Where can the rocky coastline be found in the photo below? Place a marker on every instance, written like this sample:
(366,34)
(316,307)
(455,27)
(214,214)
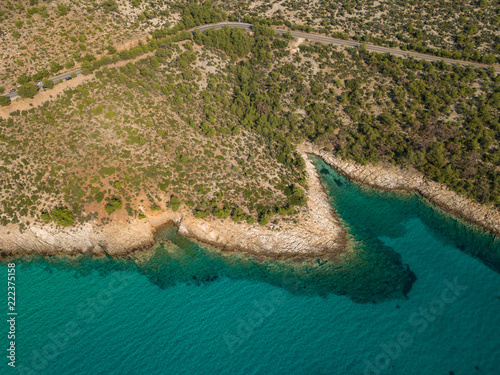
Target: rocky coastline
(315,233)
(390,177)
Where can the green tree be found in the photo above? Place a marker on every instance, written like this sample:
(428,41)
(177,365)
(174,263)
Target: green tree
(24,79)
(4,101)
(48,83)
(111,49)
(264,219)
(113,205)
(99,197)
(174,203)
(109,5)
(40,75)
(62,10)
(27,91)
(69,64)
(62,216)
(55,67)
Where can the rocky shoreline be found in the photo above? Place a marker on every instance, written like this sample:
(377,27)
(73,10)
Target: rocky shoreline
(390,177)
(316,232)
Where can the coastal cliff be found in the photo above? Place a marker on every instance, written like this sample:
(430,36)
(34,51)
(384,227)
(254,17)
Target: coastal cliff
(390,177)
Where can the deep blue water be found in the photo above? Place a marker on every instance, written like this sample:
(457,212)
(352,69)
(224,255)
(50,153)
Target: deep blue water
(188,310)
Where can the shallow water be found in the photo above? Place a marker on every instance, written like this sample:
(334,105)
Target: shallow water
(188,310)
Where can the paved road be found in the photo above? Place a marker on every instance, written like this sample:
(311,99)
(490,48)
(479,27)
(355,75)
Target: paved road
(317,38)
(352,43)
(56,79)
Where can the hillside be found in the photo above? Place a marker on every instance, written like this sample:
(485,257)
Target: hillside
(45,37)
(463,29)
(210,122)
(138,137)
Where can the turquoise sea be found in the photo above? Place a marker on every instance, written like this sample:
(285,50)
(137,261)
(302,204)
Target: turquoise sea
(422,297)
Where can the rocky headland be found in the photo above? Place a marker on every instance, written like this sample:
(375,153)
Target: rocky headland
(315,232)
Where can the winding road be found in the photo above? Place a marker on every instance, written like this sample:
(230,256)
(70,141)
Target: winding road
(352,43)
(316,38)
